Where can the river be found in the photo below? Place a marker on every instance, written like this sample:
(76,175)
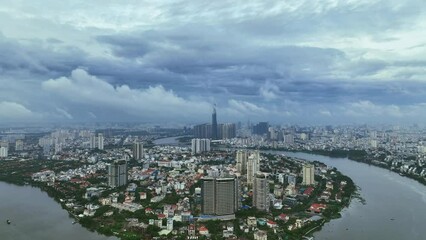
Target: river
(168,141)
(36,216)
(394,208)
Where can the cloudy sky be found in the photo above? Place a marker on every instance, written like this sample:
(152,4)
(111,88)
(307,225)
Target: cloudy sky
(293,61)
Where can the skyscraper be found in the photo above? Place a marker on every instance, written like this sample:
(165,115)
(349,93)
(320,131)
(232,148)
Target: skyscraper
(203,131)
(117,174)
(92,141)
(253,166)
(241,160)
(19,145)
(214,124)
(137,150)
(200,145)
(208,195)
(4,152)
(100,141)
(260,128)
(219,196)
(226,131)
(261,192)
(308,172)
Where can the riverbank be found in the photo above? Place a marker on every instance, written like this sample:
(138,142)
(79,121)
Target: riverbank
(390,206)
(361,156)
(37,216)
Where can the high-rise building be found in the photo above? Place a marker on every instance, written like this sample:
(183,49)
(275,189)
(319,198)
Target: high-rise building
(272,133)
(288,139)
(308,172)
(253,166)
(92,141)
(4,151)
(200,145)
(261,128)
(4,144)
(241,159)
(138,150)
(214,124)
(19,145)
(261,192)
(203,131)
(219,196)
(100,141)
(117,174)
(227,131)
(208,196)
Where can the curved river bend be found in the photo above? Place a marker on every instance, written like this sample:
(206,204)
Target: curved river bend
(395,206)
(36,216)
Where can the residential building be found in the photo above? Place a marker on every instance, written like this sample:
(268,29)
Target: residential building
(92,141)
(138,152)
(308,172)
(200,145)
(241,159)
(4,152)
(219,196)
(253,166)
(19,145)
(117,174)
(100,141)
(261,192)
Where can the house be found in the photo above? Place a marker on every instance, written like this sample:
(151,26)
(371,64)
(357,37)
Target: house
(261,221)
(148,211)
(260,235)
(271,224)
(251,222)
(308,191)
(92,192)
(191,230)
(202,230)
(317,207)
(282,217)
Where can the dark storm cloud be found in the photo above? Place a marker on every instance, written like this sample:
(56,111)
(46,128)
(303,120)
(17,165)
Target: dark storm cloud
(293,60)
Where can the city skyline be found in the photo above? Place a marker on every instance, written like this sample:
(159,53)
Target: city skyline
(321,62)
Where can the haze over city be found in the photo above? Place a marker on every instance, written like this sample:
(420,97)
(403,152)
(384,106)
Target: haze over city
(298,61)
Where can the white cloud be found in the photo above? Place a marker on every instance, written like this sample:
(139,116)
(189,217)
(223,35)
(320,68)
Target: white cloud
(64,113)
(365,108)
(269,91)
(154,102)
(12,111)
(325,113)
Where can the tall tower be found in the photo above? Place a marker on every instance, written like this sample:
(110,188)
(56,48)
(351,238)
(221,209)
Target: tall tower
(214,124)
(308,172)
(241,158)
(138,150)
(92,141)
(253,166)
(261,192)
(100,141)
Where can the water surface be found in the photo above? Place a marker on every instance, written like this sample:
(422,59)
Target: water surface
(395,206)
(36,216)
